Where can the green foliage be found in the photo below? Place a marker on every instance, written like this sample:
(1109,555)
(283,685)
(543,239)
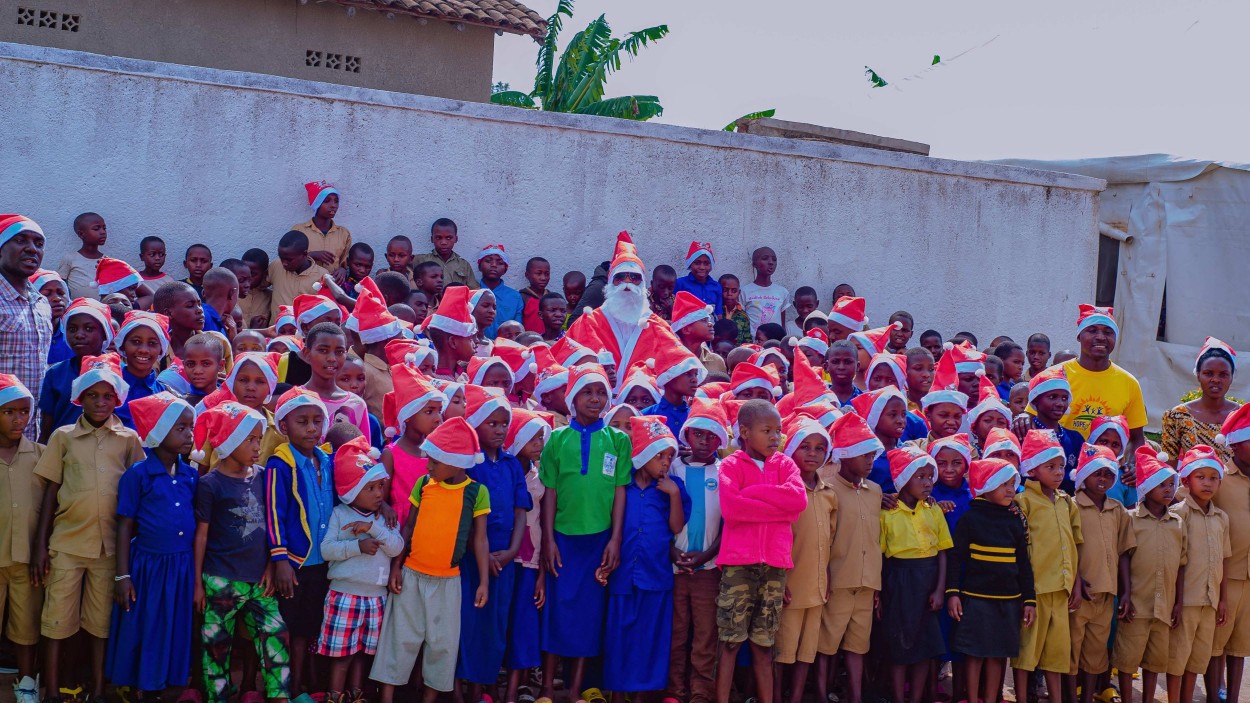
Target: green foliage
(1197,393)
(574,81)
(936,60)
(876,80)
(751,116)
(500,87)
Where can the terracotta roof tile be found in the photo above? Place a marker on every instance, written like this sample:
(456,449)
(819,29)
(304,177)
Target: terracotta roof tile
(507,15)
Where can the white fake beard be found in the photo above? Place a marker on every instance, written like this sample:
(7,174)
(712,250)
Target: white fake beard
(626,302)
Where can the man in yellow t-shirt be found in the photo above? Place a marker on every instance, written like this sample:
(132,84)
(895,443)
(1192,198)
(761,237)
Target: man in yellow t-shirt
(1099,387)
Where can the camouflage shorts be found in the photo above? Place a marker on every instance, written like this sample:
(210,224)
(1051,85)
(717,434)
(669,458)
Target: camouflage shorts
(749,603)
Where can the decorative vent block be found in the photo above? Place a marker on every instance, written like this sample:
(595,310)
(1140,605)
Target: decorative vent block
(332,61)
(47,19)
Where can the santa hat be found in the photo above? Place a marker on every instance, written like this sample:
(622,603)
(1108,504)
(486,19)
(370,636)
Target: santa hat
(1001,440)
(823,413)
(356,465)
(112,275)
(478,366)
(480,402)
(965,358)
(688,310)
(696,250)
(1211,344)
(814,339)
(990,402)
(310,306)
(525,425)
(106,368)
(625,258)
(731,407)
(449,389)
(43,277)
(519,358)
(897,363)
(849,312)
(1090,459)
(318,191)
(159,324)
(808,388)
(300,397)
(293,343)
(1039,447)
(1110,423)
(672,360)
(1151,469)
(156,414)
(411,352)
(496,249)
(11,389)
(454,314)
(224,428)
(629,410)
(551,375)
(454,443)
(956,442)
(605,358)
(905,461)
(1199,456)
(286,316)
(11,225)
(370,319)
(712,390)
(987,474)
(870,405)
(639,376)
(649,436)
(747,376)
(267,362)
(945,386)
(1051,378)
(583,375)
(853,437)
(761,357)
(1090,315)
(1236,427)
(875,340)
(707,415)
(569,352)
(799,428)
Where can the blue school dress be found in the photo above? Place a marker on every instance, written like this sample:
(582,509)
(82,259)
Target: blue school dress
(640,593)
(484,631)
(139,388)
(149,647)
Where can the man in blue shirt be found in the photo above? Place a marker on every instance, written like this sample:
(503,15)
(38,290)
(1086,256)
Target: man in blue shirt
(699,281)
(492,263)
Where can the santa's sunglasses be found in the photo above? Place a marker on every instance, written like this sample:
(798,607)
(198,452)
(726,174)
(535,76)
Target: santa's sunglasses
(634,278)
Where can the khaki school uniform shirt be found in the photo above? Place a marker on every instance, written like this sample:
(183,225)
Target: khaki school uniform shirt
(711,360)
(257,304)
(808,581)
(457,269)
(856,558)
(378,383)
(287,285)
(338,240)
(21,494)
(1234,499)
(1207,546)
(1054,532)
(1106,534)
(87,462)
(1157,558)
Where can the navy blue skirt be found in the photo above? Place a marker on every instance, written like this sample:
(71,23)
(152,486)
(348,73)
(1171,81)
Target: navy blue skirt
(909,632)
(149,648)
(576,603)
(524,633)
(484,631)
(635,657)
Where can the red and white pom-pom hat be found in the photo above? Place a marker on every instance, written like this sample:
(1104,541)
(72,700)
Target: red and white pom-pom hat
(905,461)
(356,466)
(95,310)
(11,389)
(1003,440)
(945,386)
(808,387)
(746,376)
(1211,344)
(1151,469)
(761,357)
(1199,456)
(625,258)
(478,366)
(412,352)
(454,314)
(43,277)
(1090,315)
(990,401)
(158,323)
(672,360)
(1236,427)
(1039,447)
(584,375)
(649,436)
(1091,458)
(698,249)
(551,375)
(112,275)
(300,397)
(286,316)
(1051,378)
(814,339)
(569,352)
(318,191)
(709,415)
(875,340)
(224,427)
(824,413)
(639,376)
(370,319)
(12,225)
(987,474)
(496,249)
(852,437)
(956,442)
(310,306)
(1110,423)
(454,443)
(799,428)
(688,310)
(870,405)
(965,357)
(897,363)
(480,402)
(156,414)
(850,312)
(413,391)
(267,362)
(518,357)
(106,368)
(525,425)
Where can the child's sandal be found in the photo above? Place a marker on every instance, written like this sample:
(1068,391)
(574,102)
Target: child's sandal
(594,695)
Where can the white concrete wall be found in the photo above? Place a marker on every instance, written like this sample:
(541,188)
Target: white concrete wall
(195,154)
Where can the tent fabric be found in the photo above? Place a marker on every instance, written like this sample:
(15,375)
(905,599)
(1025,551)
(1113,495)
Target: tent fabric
(1187,220)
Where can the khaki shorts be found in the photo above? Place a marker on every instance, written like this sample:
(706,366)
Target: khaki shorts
(23,600)
(423,619)
(1233,638)
(78,596)
(1091,632)
(1047,645)
(799,635)
(846,623)
(748,605)
(1190,643)
(1142,644)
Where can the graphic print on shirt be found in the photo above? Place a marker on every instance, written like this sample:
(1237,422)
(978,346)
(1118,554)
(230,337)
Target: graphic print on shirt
(251,515)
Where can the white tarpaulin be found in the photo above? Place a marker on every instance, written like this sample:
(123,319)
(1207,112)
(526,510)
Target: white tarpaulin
(1188,227)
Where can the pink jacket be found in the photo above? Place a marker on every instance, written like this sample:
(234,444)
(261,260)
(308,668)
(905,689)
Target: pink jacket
(759,508)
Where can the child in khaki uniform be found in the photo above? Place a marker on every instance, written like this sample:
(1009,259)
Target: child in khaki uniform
(75,541)
(18,457)
(1103,562)
(1208,546)
(1232,641)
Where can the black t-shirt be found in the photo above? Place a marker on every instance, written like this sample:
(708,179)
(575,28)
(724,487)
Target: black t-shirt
(238,541)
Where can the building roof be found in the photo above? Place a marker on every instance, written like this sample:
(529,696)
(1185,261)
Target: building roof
(506,15)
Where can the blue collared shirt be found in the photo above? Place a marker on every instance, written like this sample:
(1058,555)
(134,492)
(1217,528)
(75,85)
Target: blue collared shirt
(55,390)
(162,505)
(139,388)
(961,497)
(646,538)
(509,305)
(914,428)
(709,291)
(505,480)
(674,415)
(59,351)
(880,473)
(321,502)
(212,319)
(855,393)
(584,433)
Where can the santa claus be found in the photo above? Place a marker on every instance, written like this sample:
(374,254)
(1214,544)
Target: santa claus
(624,326)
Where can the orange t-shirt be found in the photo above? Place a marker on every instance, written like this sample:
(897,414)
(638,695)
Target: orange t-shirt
(445,513)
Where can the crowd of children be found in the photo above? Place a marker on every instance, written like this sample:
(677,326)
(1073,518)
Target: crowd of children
(414,481)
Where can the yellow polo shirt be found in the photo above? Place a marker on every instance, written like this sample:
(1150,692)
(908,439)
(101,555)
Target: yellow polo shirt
(1054,532)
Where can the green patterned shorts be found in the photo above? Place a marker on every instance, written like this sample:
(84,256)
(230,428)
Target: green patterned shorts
(749,603)
(231,603)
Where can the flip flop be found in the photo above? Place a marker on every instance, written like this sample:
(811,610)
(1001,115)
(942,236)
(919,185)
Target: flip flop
(594,695)
(1109,694)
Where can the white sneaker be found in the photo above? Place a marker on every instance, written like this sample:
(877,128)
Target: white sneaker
(27,690)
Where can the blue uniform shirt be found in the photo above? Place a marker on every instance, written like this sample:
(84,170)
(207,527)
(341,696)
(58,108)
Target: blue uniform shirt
(509,305)
(645,539)
(914,428)
(139,388)
(321,503)
(880,473)
(59,351)
(54,393)
(855,393)
(961,497)
(505,480)
(709,291)
(162,506)
(674,415)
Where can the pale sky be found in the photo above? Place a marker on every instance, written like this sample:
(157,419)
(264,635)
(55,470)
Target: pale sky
(1060,79)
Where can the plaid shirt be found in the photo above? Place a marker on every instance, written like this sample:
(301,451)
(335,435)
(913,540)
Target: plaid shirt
(25,337)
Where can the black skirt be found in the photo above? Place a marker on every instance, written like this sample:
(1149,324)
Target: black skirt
(990,628)
(909,632)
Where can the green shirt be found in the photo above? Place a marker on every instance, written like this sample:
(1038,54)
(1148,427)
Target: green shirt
(584,494)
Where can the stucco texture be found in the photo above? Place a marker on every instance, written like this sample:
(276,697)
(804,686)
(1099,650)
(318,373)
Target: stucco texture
(196,154)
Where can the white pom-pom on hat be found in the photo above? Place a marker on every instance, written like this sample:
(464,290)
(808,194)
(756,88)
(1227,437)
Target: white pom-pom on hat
(1164,458)
(410,358)
(586,310)
(1221,439)
(651,363)
(533,367)
(792,340)
(948,346)
(980,372)
(390,432)
(374,453)
(898,324)
(198,456)
(317,285)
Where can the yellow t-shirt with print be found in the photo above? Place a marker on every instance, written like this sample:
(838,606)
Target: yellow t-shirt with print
(1111,392)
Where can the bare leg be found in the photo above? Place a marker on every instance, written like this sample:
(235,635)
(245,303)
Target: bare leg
(826,668)
(1053,684)
(762,667)
(855,676)
(97,664)
(579,674)
(514,682)
(1235,668)
(798,682)
(1174,688)
(1088,683)
(994,669)
(1148,681)
(779,672)
(1126,687)
(299,654)
(338,673)
(429,695)
(52,666)
(898,673)
(1188,681)
(919,672)
(386,693)
(1022,684)
(972,676)
(725,670)
(550,662)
